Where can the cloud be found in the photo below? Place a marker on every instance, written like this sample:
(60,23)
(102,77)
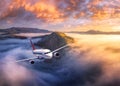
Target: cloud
(62,8)
(58,10)
(86,63)
(90,54)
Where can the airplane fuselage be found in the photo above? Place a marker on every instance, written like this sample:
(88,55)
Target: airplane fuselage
(43,53)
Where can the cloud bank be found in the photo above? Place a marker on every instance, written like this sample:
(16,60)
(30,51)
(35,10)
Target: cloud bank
(86,63)
(27,12)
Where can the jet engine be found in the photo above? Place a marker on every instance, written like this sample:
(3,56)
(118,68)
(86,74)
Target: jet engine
(32,62)
(56,54)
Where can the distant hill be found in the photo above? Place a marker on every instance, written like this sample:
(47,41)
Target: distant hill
(16,30)
(95,32)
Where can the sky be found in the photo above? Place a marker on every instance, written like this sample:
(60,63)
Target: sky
(68,15)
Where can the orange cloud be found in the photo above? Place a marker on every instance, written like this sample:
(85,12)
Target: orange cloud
(103,9)
(59,10)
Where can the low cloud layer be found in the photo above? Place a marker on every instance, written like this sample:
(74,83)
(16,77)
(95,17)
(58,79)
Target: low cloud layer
(86,63)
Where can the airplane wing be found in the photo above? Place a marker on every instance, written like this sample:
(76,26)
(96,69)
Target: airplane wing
(57,49)
(26,59)
(45,55)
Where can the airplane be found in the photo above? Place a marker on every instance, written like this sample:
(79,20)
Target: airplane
(42,54)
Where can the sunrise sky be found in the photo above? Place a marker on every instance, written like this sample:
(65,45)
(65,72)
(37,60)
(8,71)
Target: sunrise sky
(69,15)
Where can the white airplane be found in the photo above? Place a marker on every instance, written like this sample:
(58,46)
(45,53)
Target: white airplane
(42,54)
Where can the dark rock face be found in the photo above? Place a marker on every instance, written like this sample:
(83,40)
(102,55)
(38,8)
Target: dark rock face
(54,40)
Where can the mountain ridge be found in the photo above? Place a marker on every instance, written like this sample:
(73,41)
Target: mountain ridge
(16,30)
(95,32)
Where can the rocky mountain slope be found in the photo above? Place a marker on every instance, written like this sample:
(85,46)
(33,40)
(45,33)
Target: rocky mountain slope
(54,40)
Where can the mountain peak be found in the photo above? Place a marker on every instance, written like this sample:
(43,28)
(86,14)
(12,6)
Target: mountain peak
(58,33)
(55,40)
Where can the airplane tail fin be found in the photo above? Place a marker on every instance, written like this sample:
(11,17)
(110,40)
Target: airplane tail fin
(33,47)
